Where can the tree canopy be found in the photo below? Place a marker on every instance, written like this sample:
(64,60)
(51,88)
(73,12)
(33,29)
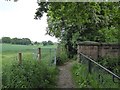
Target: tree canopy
(80,21)
(85,18)
(47,43)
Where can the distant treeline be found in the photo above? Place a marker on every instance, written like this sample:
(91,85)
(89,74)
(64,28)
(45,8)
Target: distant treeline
(23,41)
(47,43)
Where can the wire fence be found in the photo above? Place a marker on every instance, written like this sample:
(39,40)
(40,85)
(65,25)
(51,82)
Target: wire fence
(48,55)
(44,54)
(104,77)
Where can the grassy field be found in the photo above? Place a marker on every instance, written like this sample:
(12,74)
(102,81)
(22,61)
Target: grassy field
(12,47)
(9,61)
(10,51)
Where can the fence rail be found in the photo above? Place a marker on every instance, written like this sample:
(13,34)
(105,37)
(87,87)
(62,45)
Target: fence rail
(102,73)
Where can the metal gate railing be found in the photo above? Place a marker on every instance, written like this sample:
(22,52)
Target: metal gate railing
(104,77)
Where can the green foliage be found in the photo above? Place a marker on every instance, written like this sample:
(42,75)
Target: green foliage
(108,35)
(36,43)
(23,41)
(62,56)
(84,17)
(111,63)
(50,43)
(44,43)
(47,43)
(83,21)
(83,79)
(80,75)
(30,74)
(6,40)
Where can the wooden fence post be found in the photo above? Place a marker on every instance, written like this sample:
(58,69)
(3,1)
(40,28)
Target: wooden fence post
(20,57)
(39,54)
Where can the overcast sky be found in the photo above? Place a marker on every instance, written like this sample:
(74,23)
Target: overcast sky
(17,20)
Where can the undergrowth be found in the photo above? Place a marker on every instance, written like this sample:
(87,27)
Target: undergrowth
(30,74)
(83,79)
(62,56)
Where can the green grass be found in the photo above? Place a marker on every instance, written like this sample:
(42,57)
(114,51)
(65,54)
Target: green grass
(41,73)
(19,48)
(30,74)
(10,51)
(83,79)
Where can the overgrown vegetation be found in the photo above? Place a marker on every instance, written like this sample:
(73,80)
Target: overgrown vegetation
(111,63)
(62,56)
(30,74)
(83,79)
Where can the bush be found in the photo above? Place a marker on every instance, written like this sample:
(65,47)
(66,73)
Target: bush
(30,74)
(61,55)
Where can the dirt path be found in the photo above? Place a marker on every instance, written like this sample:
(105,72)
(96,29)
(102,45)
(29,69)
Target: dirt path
(65,77)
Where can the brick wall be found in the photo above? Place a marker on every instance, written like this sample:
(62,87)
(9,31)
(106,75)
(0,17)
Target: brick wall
(95,50)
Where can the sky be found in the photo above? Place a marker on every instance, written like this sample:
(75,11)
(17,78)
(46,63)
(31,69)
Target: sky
(17,20)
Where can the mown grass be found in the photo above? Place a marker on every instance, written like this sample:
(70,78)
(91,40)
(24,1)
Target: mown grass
(31,73)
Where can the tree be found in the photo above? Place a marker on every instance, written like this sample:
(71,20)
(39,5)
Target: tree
(6,40)
(23,41)
(36,42)
(15,41)
(87,17)
(44,43)
(26,41)
(72,22)
(50,43)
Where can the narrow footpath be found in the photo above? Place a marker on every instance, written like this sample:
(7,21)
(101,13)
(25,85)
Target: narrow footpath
(65,77)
